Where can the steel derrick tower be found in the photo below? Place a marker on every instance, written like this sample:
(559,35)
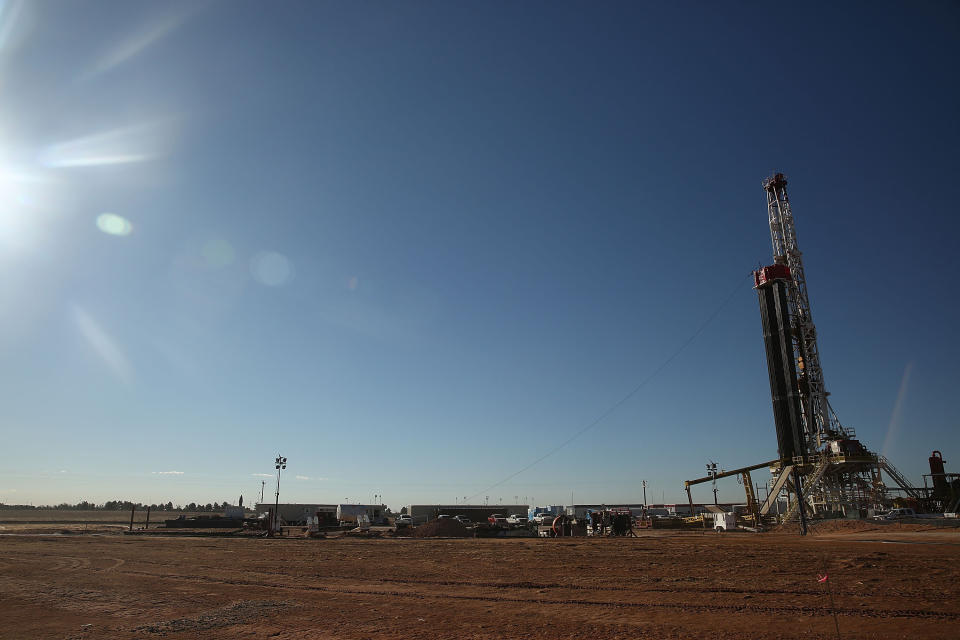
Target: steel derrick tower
(818,420)
(822,465)
(821,468)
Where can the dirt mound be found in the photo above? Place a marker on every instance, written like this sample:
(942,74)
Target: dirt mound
(441,528)
(840,525)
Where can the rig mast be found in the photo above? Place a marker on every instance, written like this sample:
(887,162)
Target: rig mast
(819,422)
(822,465)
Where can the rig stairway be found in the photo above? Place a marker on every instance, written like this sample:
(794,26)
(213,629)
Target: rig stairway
(898,477)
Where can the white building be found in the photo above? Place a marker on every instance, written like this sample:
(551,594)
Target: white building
(296,513)
(350,512)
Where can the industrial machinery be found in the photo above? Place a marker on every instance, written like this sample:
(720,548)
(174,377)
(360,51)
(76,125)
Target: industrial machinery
(944,496)
(753,507)
(821,467)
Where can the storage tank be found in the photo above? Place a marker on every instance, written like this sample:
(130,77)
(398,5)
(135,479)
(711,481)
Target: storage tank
(940,487)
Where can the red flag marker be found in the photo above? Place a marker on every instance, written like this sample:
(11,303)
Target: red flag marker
(822,578)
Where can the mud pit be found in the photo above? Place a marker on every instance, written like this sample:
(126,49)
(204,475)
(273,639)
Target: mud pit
(663,585)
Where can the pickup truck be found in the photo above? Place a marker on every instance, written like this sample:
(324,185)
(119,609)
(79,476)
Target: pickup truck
(896,514)
(517,520)
(497,520)
(404,521)
(544,519)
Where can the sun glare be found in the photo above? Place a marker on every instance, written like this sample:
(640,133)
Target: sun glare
(13,211)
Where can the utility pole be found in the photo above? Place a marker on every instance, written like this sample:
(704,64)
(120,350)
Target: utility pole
(263,484)
(644,493)
(281,463)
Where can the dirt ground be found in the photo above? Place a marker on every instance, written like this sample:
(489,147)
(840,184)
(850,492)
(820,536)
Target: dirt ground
(886,583)
(56,520)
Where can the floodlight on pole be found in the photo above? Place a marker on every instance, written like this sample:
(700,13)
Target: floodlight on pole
(280,464)
(712,472)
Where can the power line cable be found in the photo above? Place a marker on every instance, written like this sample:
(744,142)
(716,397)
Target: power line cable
(622,400)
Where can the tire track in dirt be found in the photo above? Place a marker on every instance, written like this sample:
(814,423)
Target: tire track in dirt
(642,587)
(637,589)
(117,562)
(69,563)
(695,607)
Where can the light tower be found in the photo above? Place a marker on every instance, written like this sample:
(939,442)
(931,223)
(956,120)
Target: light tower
(280,463)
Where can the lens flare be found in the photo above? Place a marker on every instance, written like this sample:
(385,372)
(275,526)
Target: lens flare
(114,225)
(119,146)
(103,345)
(271,268)
(218,253)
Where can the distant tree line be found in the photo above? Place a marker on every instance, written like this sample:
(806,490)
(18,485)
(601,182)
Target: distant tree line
(122,505)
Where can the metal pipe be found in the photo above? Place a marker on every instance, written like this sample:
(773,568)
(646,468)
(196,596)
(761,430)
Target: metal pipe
(727,474)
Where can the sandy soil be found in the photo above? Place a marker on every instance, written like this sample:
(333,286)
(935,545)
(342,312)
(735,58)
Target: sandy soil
(886,584)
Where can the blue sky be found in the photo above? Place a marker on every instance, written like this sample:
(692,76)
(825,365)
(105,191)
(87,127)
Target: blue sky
(415,246)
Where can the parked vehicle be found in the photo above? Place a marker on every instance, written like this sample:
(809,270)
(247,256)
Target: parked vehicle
(517,520)
(464,520)
(896,514)
(404,521)
(498,520)
(544,519)
(724,521)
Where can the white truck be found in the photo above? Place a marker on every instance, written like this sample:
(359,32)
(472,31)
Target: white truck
(517,520)
(724,521)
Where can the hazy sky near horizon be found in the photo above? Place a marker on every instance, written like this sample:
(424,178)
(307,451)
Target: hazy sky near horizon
(415,246)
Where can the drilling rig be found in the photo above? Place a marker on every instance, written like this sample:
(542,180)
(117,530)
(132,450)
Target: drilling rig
(822,466)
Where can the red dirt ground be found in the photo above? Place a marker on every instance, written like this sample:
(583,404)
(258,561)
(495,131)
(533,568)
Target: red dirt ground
(660,585)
